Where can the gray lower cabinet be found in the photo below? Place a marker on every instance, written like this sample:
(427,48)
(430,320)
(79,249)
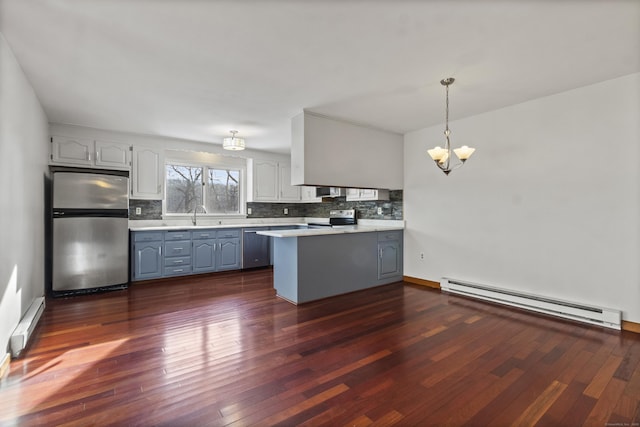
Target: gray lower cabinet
(146,255)
(204,255)
(177,253)
(147,260)
(229,257)
(156,254)
(390,255)
(203,249)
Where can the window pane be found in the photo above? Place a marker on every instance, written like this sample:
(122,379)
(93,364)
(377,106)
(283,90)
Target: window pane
(223,191)
(184,188)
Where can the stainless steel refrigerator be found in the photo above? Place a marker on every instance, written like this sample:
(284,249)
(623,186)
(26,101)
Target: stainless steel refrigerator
(90,231)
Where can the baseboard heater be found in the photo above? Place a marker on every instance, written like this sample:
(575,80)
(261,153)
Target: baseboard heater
(600,316)
(25,328)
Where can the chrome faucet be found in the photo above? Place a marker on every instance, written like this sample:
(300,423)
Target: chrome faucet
(195,213)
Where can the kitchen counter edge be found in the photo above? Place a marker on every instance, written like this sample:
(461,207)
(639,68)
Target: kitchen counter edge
(202,227)
(328,231)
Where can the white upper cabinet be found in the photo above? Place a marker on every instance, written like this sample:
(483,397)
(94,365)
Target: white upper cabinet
(90,153)
(147,173)
(365,194)
(308,194)
(288,192)
(265,181)
(71,151)
(112,155)
(272,182)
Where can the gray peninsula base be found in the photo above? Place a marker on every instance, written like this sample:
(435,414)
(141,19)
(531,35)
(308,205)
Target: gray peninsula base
(313,267)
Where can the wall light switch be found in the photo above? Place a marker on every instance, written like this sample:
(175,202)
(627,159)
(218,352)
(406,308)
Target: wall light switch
(286,211)
(138,211)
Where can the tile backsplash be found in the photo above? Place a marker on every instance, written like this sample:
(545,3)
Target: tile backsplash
(391,209)
(149,209)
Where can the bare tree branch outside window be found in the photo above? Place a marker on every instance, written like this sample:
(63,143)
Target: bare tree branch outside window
(223,191)
(185,190)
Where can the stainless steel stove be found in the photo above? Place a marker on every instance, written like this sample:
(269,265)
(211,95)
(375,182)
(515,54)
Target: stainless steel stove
(338,218)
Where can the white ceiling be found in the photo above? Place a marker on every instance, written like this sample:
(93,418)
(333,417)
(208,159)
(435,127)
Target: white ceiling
(194,69)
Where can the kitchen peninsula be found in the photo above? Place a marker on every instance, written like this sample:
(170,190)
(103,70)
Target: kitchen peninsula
(313,264)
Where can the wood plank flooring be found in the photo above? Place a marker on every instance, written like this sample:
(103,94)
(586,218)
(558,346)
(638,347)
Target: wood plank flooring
(223,350)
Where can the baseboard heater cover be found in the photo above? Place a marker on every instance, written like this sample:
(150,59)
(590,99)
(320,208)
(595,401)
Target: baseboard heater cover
(25,328)
(600,316)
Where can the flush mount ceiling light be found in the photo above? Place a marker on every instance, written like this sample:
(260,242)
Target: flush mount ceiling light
(442,156)
(233,143)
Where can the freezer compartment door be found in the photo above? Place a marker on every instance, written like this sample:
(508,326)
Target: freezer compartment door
(90,252)
(73,190)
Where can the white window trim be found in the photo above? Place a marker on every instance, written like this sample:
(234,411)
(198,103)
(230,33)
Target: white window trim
(221,165)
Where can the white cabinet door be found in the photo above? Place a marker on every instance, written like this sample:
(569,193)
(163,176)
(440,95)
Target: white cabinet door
(113,155)
(308,194)
(368,194)
(265,181)
(73,151)
(288,192)
(353,194)
(147,173)
(362,194)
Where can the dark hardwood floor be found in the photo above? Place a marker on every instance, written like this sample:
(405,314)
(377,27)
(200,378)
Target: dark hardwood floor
(223,350)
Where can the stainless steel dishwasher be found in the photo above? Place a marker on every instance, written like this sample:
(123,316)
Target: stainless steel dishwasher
(255,248)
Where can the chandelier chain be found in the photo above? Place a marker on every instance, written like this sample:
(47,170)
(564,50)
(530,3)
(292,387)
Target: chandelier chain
(447,112)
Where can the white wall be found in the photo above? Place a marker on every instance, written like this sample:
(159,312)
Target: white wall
(23,169)
(548,204)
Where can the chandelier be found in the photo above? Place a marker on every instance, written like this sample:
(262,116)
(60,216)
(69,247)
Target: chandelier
(442,156)
(233,143)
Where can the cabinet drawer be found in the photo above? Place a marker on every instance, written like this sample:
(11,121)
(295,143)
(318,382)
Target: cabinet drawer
(204,234)
(179,248)
(225,234)
(177,270)
(177,261)
(389,235)
(177,235)
(147,236)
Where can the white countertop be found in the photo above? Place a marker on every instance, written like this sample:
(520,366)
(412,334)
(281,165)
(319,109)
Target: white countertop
(364,225)
(327,231)
(200,227)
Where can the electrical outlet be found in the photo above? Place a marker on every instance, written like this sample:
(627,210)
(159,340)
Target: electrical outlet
(286,211)
(379,210)
(421,256)
(248,211)
(138,211)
